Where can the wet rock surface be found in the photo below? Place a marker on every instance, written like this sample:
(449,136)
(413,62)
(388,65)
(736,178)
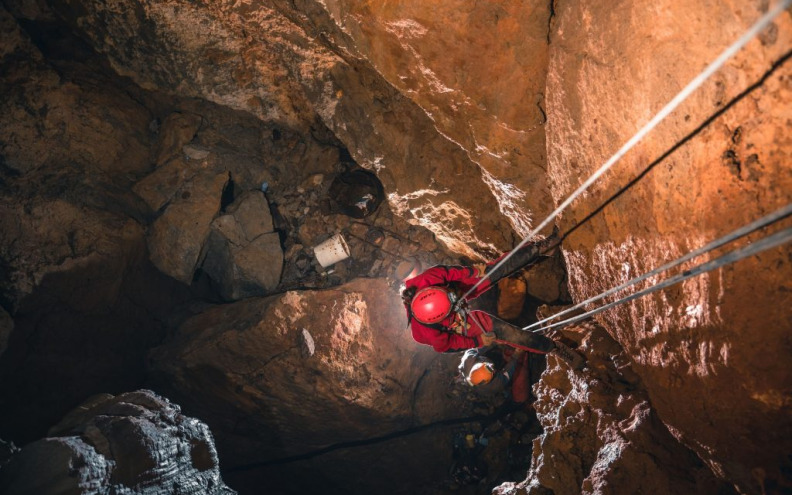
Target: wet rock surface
(136,442)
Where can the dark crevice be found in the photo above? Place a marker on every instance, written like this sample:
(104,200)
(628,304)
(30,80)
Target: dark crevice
(227,196)
(370,441)
(550,20)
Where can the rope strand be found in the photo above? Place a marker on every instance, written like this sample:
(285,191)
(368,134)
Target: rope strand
(777,239)
(734,235)
(662,114)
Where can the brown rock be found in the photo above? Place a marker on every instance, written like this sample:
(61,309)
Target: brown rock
(246,360)
(314,230)
(297,81)
(176,130)
(249,268)
(710,350)
(252,213)
(243,255)
(46,119)
(600,429)
(426,56)
(261,260)
(176,238)
(511,297)
(546,280)
(47,240)
(159,187)
(29,10)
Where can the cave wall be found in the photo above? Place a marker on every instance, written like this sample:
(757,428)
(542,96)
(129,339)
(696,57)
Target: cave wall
(476,70)
(382,91)
(281,380)
(601,433)
(711,351)
(402,91)
(71,245)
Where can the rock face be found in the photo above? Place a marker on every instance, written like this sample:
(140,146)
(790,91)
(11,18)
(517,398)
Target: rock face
(178,236)
(136,442)
(317,62)
(286,375)
(128,205)
(476,70)
(244,255)
(709,351)
(600,431)
(54,178)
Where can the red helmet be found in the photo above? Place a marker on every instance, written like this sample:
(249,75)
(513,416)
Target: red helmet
(431,304)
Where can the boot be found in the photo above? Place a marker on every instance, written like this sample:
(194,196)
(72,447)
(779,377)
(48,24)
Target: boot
(572,358)
(510,333)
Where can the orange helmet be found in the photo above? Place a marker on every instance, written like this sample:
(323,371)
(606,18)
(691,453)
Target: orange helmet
(480,374)
(431,304)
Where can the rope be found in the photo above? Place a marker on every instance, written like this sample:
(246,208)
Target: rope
(734,235)
(479,418)
(695,132)
(763,244)
(662,114)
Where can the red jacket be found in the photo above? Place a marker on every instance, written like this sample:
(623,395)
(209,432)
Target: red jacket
(445,339)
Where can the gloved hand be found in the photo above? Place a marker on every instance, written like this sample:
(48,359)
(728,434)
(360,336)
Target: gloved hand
(486,338)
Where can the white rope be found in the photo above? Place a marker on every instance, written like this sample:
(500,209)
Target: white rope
(777,239)
(734,235)
(663,113)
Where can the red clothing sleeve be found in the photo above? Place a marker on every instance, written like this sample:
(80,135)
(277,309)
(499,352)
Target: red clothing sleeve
(447,341)
(465,277)
(441,341)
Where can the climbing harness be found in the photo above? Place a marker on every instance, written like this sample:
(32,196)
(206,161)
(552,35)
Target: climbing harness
(771,241)
(734,235)
(662,114)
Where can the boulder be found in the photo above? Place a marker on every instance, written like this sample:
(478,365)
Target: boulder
(243,255)
(176,238)
(247,366)
(251,212)
(136,442)
(160,186)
